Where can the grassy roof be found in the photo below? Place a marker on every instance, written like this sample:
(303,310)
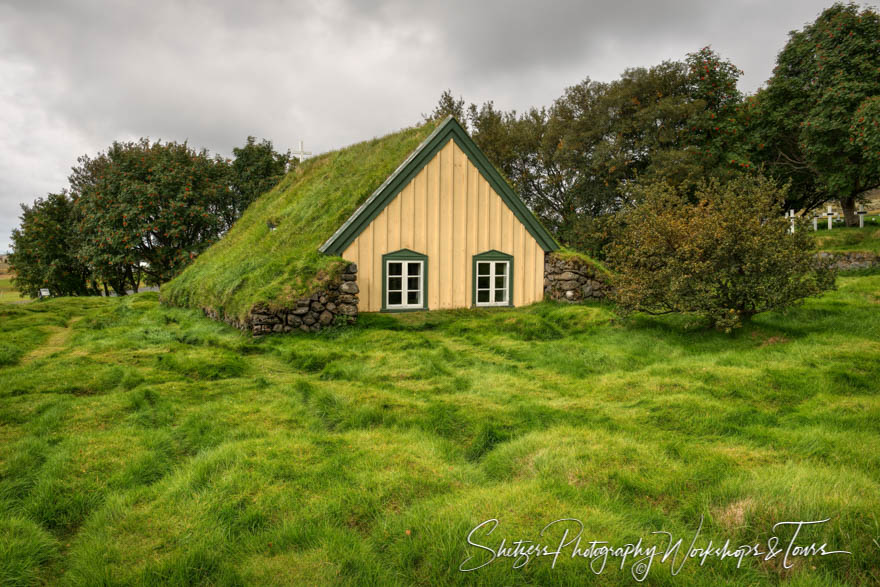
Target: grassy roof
(566,253)
(254,264)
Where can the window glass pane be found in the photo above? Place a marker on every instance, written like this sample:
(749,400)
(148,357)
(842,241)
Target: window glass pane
(483,282)
(413,268)
(394,283)
(499,295)
(394,298)
(483,296)
(501,268)
(482,269)
(412,283)
(394,268)
(499,282)
(412,297)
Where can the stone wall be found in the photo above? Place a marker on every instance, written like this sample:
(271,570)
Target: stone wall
(843,261)
(572,279)
(335,303)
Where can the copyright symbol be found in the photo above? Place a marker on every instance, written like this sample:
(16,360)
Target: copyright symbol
(640,569)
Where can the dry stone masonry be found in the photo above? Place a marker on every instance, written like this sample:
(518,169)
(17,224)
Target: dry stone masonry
(573,280)
(565,278)
(336,303)
(845,261)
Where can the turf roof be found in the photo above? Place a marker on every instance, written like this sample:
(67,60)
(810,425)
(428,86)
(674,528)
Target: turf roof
(274,254)
(254,263)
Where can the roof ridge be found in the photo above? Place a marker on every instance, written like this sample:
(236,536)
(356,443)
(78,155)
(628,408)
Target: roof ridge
(450,128)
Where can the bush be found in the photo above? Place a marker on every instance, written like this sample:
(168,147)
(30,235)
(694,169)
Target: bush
(726,258)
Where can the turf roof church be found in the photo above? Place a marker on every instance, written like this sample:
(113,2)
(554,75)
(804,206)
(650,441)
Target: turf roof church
(445,230)
(415,220)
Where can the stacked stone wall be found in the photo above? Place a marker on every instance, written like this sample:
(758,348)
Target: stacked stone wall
(336,302)
(570,279)
(846,261)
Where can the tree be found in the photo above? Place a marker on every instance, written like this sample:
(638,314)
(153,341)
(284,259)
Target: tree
(578,162)
(45,249)
(147,207)
(811,116)
(447,106)
(677,122)
(256,169)
(728,257)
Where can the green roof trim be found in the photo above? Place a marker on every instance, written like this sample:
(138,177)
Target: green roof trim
(448,130)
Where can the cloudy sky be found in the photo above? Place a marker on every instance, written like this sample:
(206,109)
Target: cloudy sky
(77,75)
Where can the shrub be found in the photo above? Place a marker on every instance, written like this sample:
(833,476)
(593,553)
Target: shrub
(727,257)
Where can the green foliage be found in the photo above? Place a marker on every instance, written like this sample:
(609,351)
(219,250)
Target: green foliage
(255,170)
(137,208)
(45,249)
(816,121)
(154,204)
(271,254)
(447,106)
(578,161)
(726,258)
(864,133)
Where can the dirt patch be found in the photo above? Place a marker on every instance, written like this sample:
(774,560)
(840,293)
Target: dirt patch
(734,515)
(56,342)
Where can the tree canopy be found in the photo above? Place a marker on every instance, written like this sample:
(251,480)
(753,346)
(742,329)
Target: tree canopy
(44,249)
(137,211)
(817,118)
(579,160)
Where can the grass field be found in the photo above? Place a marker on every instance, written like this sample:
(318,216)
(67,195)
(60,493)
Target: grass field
(849,239)
(7,292)
(147,445)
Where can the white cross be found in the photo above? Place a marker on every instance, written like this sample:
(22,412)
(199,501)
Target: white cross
(830,214)
(301,154)
(791,217)
(861,214)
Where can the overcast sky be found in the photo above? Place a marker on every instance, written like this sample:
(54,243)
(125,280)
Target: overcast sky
(75,76)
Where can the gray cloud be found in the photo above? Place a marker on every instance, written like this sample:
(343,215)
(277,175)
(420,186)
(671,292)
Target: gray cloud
(74,76)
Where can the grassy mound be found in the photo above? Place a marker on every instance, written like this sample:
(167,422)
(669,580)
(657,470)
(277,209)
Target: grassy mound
(570,254)
(841,239)
(254,263)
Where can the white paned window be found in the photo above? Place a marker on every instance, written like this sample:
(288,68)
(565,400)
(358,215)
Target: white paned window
(404,284)
(493,278)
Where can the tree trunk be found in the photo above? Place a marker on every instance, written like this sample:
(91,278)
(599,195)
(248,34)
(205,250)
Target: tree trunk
(849,211)
(131,279)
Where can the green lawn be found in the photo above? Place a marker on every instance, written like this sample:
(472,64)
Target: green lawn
(7,293)
(143,444)
(842,238)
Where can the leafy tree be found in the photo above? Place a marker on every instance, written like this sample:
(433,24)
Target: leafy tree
(717,125)
(447,106)
(255,169)
(45,247)
(815,117)
(578,161)
(726,258)
(865,134)
(147,207)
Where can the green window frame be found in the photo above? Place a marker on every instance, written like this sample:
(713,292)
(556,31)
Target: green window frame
(492,275)
(404,272)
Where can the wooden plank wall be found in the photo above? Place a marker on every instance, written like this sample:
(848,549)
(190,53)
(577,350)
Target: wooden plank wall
(448,212)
